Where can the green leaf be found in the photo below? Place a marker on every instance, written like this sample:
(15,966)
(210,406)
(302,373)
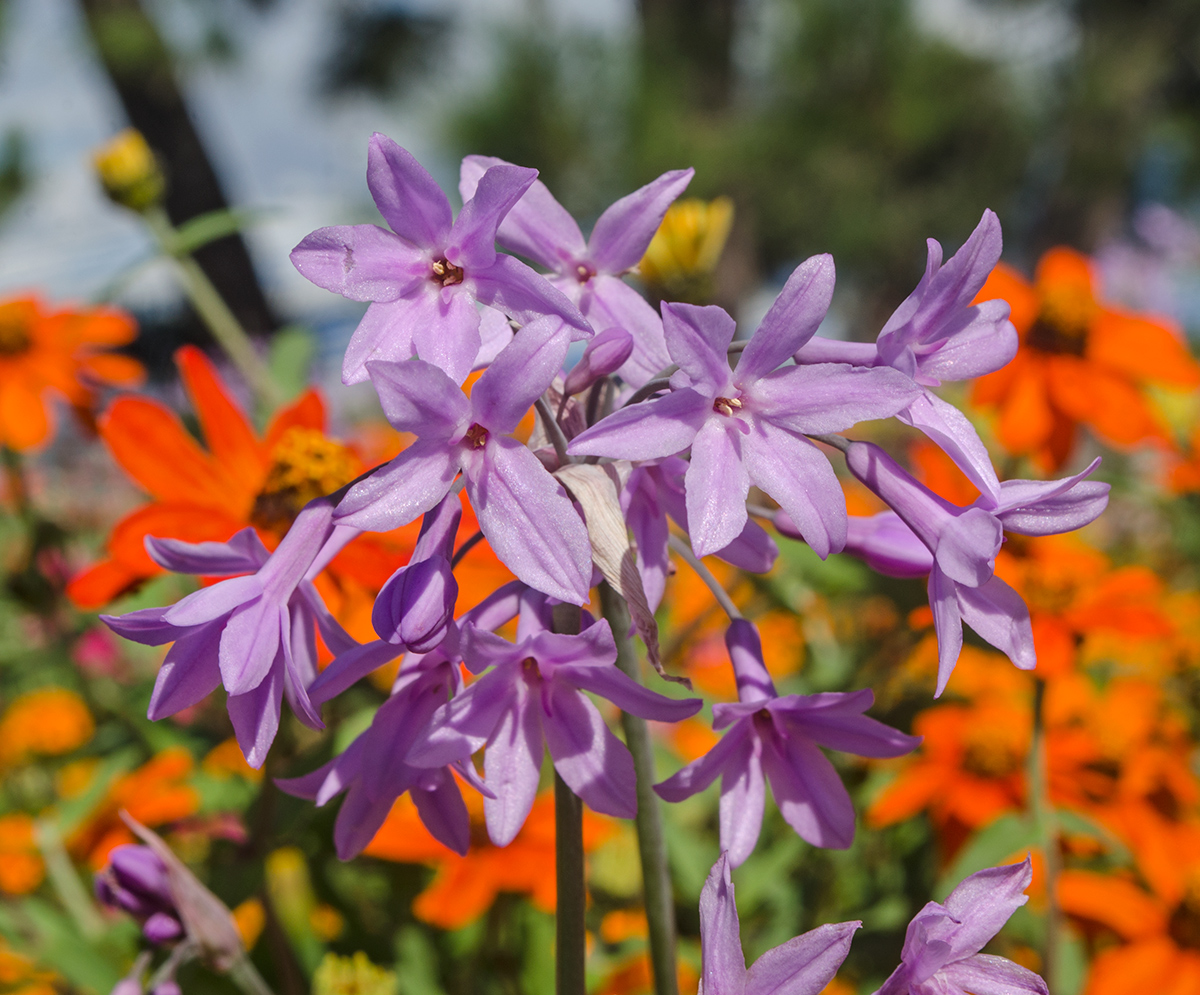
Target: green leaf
(56,943)
(1000,840)
(197,232)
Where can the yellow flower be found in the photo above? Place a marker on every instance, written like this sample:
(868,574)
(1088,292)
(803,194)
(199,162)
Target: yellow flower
(689,241)
(250,917)
(48,721)
(225,760)
(128,171)
(352,976)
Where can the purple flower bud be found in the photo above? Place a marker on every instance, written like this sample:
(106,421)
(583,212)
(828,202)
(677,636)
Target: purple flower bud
(136,881)
(167,987)
(605,354)
(138,869)
(162,928)
(887,545)
(415,606)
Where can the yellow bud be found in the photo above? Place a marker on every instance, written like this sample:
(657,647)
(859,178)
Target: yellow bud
(129,171)
(689,241)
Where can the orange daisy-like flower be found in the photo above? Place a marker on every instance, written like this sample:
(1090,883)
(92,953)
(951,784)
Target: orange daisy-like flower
(1080,362)
(465,887)
(21,867)
(48,721)
(45,352)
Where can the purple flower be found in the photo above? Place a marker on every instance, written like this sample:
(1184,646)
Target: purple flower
(777,739)
(802,966)
(533,695)
(135,881)
(373,770)
(254,634)
(425,279)
(655,491)
(606,353)
(589,273)
(524,512)
(938,335)
(941,948)
(748,426)
(964,543)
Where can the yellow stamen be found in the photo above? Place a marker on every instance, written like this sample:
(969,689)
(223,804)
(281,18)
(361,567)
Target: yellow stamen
(305,464)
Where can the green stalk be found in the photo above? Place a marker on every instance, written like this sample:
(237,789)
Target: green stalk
(215,313)
(245,975)
(1047,823)
(652,844)
(66,883)
(571,955)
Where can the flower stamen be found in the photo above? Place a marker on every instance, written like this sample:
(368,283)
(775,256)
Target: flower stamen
(726,405)
(446,273)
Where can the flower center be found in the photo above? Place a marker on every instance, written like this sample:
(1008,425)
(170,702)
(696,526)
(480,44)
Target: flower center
(1062,323)
(446,273)
(476,436)
(1184,926)
(16,323)
(727,405)
(304,465)
(583,273)
(992,758)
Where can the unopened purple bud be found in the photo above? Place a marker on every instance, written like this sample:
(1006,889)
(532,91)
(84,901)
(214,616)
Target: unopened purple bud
(887,545)
(168,987)
(138,869)
(745,652)
(162,928)
(605,354)
(127,986)
(415,606)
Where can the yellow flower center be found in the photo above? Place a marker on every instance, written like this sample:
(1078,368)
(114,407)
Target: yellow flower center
(727,405)
(16,323)
(446,273)
(305,464)
(476,436)
(1062,323)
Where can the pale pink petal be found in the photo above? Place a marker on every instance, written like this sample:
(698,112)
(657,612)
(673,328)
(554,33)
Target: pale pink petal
(421,398)
(793,318)
(407,196)
(649,430)
(717,485)
(361,262)
(385,332)
(512,287)
(408,486)
(520,374)
(829,397)
(698,340)
(472,241)
(450,338)
(999,614)
(624,230)
(804,965)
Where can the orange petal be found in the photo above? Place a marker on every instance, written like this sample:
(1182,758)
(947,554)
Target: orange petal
(307,411)
(1140,967)
(189,522)
(25,420)
(1110,404)
(1062,265)
(1141,349)
(1114,902)
(1007,284)
(102,326)
(112,367)
(1054,644)
(1026,420)
(97,586)
(226,429)
(910,793)
(461,892)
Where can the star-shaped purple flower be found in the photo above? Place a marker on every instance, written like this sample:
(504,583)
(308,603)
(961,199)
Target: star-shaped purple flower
(747,426)
(524,512)
(532,698)
(964,543)
(941,948)
(425,276)
(777,739)
(802,966)
(589,273)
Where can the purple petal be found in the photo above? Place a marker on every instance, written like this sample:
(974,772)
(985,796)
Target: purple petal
(448,337)
(336,638)
(243,553)
(408,486)
(983,903)
(407,196)
(627,694)
(496,609)
(956,437)
(359,819)
(1047,507)
(594,763)
(328,780)
(385,333)
(482,649)
(609,302)
(146,626)
(999,614)
(255,717)
(717,484)
(986,974)
(745,653)
(625,229)
(528,519)
(886,544)
(189,674)
(857,734)
(822,350)
(495,333)
(421,398)
(947,623)
(537,227)
(520,374)
(723,970)
(797,475)
(985,341)
(967,546)
(511,765)
(698,340)
(300,668)
(250,644)
(650,430)
(472,242)
(444,812)
(793,318)
(804,965)
(361,262)
(607,352)
(512,287)
(829,397)
(162,927)
(730,753)
(809,793)
(467,721)
(210,603)
(743,795)
(650,531)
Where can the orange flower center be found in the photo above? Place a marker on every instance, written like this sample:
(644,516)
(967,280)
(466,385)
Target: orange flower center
(992,758)
(305,464)
(1184,926)
(446,273)
(1062,323)
(16,323)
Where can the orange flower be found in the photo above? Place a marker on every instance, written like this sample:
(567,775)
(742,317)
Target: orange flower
(49,721)
(1080,362)
(465,887)
(21,867)
(633,977)
(43,351)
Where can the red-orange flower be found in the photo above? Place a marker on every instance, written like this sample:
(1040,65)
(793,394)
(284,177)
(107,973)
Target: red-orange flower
(45,352)
(465,887)
(1080,362)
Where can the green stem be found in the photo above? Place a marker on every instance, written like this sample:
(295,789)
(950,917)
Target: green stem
(65,881)
(1047,823)
(215,313)
(571,955)
(652,843)
(245,975)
